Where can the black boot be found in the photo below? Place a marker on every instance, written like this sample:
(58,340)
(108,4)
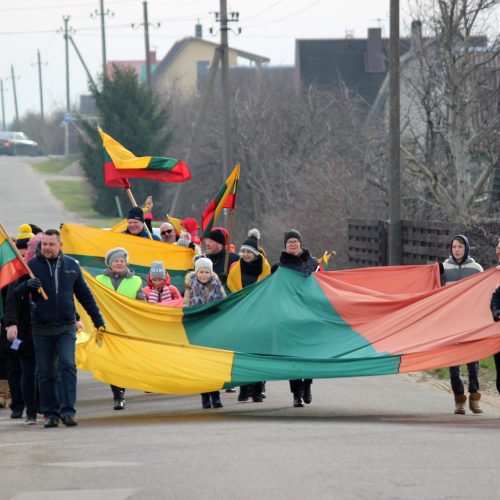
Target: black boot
(205,401)
(118,398)
(257,392)
(243,395)
(306,393)
(297,401)
(216,402)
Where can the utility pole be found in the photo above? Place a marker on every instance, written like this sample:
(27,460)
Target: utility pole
(66,121)
(395,229)
(223,19)
(3,105)
(39,63)
(101,13)
(224,52)
(146,42)
(146,25)
(14,92)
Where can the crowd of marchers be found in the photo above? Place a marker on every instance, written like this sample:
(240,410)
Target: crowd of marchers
(38,374)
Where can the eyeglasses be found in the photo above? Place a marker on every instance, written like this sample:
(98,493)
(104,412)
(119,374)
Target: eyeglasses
(167,231)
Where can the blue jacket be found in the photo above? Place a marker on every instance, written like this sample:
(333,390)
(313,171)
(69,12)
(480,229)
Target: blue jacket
(143,234)
(60,279)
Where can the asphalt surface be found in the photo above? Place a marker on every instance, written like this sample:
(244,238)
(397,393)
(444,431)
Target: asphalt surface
(374,437)
(25,197)
(361,438)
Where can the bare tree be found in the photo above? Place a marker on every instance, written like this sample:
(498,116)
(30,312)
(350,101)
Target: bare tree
(306,157)
(450,110)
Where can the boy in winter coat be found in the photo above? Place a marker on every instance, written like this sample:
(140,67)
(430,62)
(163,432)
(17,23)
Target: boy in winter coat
(203,286)
(159,289)
(457,266)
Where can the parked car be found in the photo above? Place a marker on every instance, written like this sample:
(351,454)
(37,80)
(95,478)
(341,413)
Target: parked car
(16,143)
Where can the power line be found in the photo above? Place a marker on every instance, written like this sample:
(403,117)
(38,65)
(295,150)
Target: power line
(284,17)
(265,10)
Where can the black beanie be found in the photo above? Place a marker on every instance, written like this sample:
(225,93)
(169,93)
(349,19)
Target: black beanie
(293,233)
(218,236)
(252,242)
(136,213)
(35,229)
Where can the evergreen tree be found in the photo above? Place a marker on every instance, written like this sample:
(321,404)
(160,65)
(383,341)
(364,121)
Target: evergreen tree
(133,115)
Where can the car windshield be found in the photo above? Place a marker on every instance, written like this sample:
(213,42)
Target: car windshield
(20,136)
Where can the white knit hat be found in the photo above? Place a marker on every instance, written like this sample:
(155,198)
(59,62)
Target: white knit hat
(203,262)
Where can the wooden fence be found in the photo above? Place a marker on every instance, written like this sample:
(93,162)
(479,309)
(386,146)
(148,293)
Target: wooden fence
(423,242)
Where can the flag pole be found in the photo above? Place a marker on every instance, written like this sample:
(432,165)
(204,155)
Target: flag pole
(134,203)
(230,234)
(18,253)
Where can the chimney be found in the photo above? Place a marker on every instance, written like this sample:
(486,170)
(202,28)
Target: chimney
(198,30)
(416,36)
(374,55)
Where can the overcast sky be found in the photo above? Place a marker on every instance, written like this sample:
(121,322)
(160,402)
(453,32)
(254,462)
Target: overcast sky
(269,28)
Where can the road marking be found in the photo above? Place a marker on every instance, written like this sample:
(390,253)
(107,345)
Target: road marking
(89,465)
(117,494)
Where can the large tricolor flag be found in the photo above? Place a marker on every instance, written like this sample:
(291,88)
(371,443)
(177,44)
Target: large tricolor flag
(11,266)
(120,165)
(352,323)
(225,198)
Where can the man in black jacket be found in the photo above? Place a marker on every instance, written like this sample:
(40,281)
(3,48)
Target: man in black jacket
(18,326)
(298,259)
(215,250)
(54,325)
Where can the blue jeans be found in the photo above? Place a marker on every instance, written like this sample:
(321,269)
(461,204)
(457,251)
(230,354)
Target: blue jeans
(456,380)
(55,358)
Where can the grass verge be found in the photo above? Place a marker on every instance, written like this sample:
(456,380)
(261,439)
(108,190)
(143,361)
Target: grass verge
(53,165)
(76,197)
(486,365)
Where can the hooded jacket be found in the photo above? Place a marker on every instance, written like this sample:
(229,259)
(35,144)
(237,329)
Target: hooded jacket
(453,270)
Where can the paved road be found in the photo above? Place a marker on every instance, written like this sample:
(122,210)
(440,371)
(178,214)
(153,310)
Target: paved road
(367,438)
(376,437)
(25,198)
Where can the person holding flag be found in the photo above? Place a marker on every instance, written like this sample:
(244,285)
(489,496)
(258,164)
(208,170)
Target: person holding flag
(54,325)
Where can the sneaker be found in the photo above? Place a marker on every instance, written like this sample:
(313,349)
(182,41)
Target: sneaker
(231,389)
(16,414)
(30,420)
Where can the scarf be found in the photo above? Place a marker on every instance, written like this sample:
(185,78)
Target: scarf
(205,293)
(155,296)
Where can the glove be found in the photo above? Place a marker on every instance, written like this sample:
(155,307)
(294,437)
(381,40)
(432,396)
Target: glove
(101,328)
(34,284)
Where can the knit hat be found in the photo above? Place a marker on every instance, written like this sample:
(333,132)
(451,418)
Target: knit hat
(35,229)
(136,213)
(293,233)
(184,239)
(24,236)
(190,225)
(202,262)
(157,270)
(218,236)
(251,244)
(115,253)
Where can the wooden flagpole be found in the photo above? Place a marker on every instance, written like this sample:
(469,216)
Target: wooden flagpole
(230,235)
(134,203)
(41,291)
